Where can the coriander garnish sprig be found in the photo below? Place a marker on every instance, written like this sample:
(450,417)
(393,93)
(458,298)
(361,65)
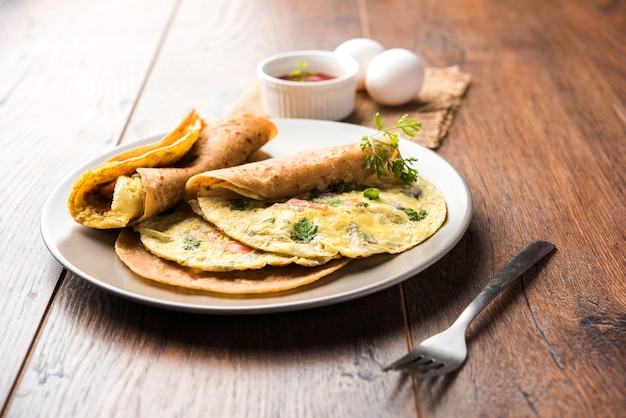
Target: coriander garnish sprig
(378,158)
(301,72)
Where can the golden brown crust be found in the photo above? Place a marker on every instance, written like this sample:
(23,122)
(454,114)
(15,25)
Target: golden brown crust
(284,176)
(227,142)
(270,279)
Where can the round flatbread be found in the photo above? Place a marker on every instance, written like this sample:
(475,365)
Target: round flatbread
(270,279)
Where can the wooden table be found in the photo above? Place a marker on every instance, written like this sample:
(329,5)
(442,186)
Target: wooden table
(539,138)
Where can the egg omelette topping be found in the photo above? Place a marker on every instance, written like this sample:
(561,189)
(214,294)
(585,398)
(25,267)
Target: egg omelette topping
(184,237)
(354,222)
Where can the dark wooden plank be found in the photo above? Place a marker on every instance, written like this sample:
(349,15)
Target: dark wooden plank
(68,77)
(540,140)
(100,355)
(598,29)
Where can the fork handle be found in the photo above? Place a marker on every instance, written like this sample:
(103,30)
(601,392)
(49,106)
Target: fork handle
(525,259)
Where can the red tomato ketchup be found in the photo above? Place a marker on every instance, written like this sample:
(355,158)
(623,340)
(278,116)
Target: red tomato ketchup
(308,77)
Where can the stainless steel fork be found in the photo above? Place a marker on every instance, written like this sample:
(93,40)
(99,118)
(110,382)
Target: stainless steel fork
(447,351)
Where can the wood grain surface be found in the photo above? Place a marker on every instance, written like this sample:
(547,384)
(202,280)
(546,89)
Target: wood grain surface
(540,139)
(68,78)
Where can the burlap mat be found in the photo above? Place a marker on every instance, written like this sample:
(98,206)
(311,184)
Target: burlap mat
(435,105)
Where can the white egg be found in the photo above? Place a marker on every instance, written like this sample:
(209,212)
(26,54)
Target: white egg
(363,50)
(394,77)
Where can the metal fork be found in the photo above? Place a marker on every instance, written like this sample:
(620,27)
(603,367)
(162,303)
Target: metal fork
(447,351)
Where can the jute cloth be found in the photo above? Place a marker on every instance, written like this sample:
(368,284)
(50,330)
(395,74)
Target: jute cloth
(435,105)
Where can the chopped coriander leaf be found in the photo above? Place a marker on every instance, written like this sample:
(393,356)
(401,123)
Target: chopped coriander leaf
(334,202)
(415,216)
(300,73)
(380,150)
(304,231)
(372,193)
(190,243)
(239,204)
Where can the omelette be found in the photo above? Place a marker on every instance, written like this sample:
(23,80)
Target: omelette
(354,223)
(187,239)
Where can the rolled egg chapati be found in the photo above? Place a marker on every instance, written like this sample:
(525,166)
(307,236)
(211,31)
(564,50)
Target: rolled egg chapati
(319,204)
(284,176)
(280,233)
(133,186)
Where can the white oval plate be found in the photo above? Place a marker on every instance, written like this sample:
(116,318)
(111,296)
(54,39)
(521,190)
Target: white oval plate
(90,253)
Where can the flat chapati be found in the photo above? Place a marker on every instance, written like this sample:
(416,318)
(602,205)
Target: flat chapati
(269,279)
(137,184)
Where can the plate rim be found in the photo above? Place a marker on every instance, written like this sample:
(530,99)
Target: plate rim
(451,242)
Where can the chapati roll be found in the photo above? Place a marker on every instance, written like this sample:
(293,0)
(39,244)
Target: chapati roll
(137,184)
(279,177)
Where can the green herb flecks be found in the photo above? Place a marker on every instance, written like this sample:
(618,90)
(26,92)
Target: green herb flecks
(239,204)
(415,216)
(304,231)
(371,193)
(331,202)
(379,150)
(190,243)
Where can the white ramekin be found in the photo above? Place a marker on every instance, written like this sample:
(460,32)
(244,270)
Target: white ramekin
(330,99)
